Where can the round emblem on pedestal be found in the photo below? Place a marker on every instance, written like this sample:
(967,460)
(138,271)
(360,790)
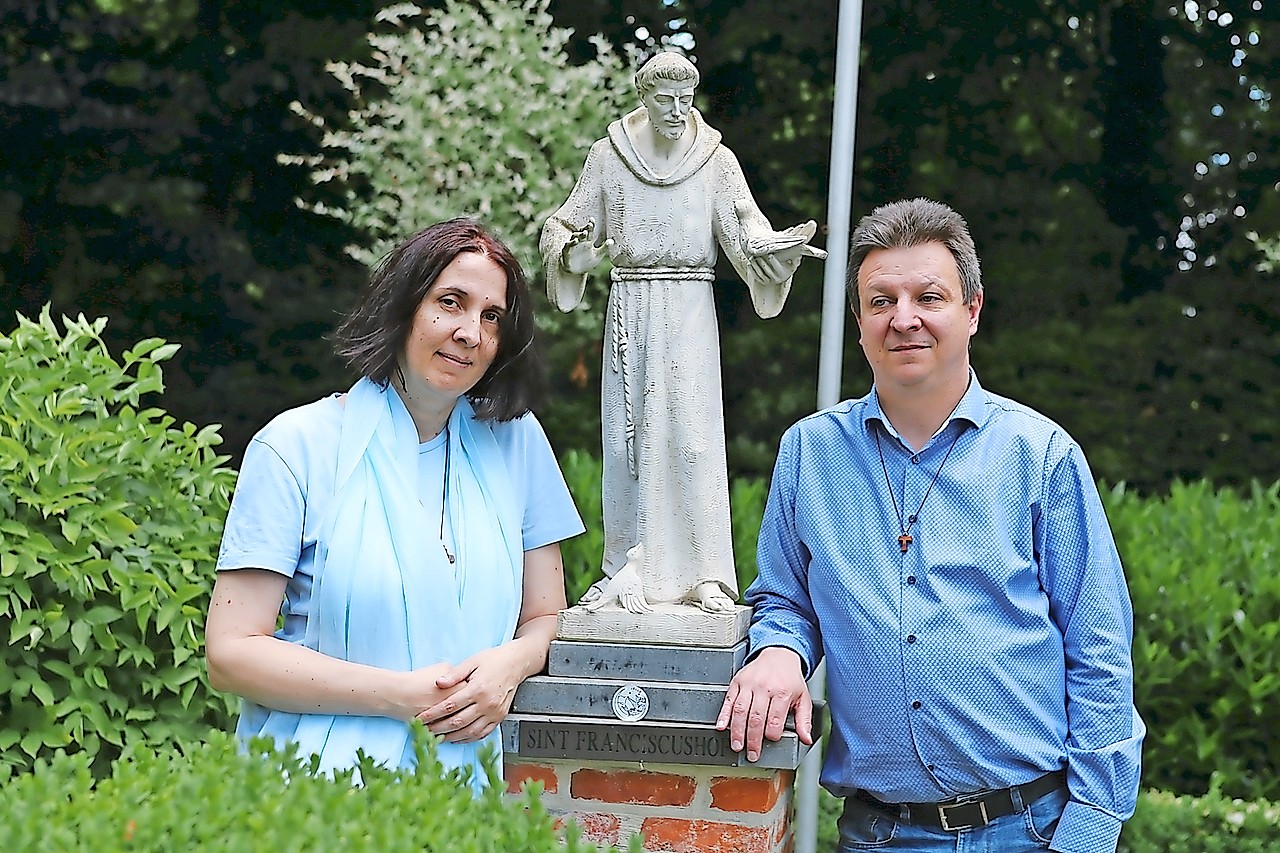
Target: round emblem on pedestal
(630,703)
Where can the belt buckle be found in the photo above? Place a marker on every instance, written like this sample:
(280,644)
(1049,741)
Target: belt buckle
(947,825)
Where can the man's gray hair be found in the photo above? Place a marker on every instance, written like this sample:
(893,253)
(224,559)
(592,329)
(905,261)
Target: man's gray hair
(911,222)
(666,67)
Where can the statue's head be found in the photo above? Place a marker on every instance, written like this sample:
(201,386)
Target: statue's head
(666,84)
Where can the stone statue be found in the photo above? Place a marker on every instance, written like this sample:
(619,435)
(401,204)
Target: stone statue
(657,195)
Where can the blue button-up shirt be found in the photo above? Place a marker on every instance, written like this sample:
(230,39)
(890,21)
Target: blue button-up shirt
(995,649)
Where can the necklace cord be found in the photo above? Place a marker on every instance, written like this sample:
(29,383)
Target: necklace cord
(905,538)
(444,496)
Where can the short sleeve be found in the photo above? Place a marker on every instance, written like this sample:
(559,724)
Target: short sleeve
(549,512)
(264,528)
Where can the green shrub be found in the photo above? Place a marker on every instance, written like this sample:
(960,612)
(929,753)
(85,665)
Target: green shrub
(1208,824)
(1201,566)
(110,518)
(473,108)
(582,554)
(210,796)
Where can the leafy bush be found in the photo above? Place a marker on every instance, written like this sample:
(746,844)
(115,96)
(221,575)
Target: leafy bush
(1201,566)
(1208,824)
(110,518)
(583,554)
(214,797)
(470,109)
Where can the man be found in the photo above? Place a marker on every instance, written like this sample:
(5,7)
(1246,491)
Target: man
(946,550)
(658,194)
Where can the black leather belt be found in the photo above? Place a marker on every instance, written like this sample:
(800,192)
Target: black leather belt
(969,810)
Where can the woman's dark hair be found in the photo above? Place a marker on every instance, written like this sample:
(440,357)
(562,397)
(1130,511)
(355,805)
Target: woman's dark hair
(373,334)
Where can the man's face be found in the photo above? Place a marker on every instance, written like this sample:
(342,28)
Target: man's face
(668,105)
(915,325)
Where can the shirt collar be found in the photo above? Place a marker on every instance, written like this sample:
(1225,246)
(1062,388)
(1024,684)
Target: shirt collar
(972,408)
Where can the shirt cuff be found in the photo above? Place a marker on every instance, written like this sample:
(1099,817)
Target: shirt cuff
(1084,829)
(768,639)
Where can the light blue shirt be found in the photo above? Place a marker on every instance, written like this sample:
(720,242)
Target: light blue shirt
(285,489)
(285,496)
(996,649)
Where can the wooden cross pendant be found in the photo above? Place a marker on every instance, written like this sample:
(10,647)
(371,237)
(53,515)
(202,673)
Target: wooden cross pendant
(904,542)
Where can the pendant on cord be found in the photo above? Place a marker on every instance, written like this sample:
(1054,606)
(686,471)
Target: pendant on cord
(905,538)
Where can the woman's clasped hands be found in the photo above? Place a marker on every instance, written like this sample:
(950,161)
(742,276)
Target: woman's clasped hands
(475,695)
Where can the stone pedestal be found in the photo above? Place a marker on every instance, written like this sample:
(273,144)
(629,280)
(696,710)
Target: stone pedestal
(622,737)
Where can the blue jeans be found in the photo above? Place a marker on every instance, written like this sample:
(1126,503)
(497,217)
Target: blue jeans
(865,828)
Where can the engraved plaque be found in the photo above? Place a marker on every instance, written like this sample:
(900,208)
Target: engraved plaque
(630,703)
(660,745)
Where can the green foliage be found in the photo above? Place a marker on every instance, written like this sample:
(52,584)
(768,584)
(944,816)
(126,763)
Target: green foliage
(213,797)
(582,554)
(1208,824)
(110,517)
(472,109)
(1206,597)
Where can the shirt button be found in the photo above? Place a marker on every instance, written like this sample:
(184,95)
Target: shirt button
(916,705)
(911,579)
(911,638)
(915,460)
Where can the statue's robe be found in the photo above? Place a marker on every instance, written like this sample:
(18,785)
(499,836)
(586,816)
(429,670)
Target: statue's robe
(665,476)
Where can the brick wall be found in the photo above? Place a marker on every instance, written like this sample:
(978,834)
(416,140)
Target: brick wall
(677,808)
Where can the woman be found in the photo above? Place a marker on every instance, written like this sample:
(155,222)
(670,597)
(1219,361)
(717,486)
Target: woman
(407,531)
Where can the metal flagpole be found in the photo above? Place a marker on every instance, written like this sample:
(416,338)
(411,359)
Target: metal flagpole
(834,310)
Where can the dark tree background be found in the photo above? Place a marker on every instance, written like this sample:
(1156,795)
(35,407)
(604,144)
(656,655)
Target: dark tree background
(1110,156)
(140,182)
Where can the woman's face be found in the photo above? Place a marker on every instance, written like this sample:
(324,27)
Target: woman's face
(454,336)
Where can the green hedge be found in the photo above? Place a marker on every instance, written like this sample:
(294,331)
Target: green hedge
(1201,565)
(1213,823)
(211,797)
(110,516)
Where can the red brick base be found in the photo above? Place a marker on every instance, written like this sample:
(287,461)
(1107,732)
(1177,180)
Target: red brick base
(677,808)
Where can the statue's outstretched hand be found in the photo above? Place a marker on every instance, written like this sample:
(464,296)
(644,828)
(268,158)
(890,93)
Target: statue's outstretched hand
(774,255)
(581,253)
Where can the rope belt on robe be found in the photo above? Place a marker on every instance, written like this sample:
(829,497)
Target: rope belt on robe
(619,358)
(384,593)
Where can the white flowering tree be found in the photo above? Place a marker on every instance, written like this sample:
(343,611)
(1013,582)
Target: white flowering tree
(475,110)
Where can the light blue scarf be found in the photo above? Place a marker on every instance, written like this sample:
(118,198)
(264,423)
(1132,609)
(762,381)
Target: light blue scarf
(384,594)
